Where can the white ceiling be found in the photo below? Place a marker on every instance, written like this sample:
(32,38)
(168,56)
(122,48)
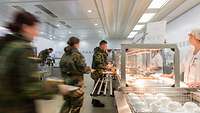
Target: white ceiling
(115,18)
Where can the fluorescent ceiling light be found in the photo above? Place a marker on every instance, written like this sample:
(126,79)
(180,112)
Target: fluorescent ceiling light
(138,27)
(146,17)
(89,11)
(132,34)
(96,24)
(156,4)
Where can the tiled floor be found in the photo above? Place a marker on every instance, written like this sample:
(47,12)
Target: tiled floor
(53,106)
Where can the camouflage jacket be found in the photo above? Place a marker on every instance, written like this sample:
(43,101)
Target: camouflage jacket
(72,64)
(99,59)
(19,81)
(43,55)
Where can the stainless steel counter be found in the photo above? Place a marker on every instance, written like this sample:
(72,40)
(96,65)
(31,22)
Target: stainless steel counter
(121,102)
(180,95)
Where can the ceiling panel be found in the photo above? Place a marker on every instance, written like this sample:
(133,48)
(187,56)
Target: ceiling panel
(73,13)
(85,23)
(120,16)
(72,9)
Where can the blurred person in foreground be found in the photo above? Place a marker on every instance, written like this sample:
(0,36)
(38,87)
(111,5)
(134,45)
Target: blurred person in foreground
(44,54)
(73,67)
(99,64)
(19,82)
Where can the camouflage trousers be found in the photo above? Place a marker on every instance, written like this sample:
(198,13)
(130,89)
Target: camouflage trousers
(74,100)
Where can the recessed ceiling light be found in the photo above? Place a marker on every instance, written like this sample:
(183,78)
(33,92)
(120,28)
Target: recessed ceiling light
(158,4)
(132,34)
(51,38)
(99,31)
(70,32)
(58,25)
(41,32)
(89,11)
(138,27)
(96,24)
(146,17)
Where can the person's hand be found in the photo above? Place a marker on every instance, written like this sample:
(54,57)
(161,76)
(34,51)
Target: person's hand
(78,92)
(193,84)
(92,70)
(88,69)
(167,75)
(109,66)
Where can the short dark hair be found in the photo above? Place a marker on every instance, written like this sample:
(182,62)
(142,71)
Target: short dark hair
(22,18)
(103,42)
(73,40)
(51,49)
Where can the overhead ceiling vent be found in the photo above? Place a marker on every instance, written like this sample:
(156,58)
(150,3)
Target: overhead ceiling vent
(18,8)
(51,25)
(41,7)
(65,24)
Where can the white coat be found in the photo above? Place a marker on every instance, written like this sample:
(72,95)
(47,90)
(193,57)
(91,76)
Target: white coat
(157,60)
(191,67)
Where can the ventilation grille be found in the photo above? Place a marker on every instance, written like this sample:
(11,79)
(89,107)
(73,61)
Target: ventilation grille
(41,7)
(51,25)
(19,8)
(66,25)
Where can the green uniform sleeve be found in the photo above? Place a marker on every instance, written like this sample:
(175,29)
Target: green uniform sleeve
(27,68)
(79,62)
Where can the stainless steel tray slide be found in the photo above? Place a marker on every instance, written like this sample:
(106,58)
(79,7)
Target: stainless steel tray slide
(180,95)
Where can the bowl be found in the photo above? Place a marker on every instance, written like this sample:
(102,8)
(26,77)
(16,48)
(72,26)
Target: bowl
(149,100)
(160,95)
(197,110)
(139,105)
(165,101)
(154,106)
(190,106)
(163,110)
(174,106)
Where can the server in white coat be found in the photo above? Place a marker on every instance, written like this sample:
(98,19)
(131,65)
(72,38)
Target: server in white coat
(191,64)
(156,63)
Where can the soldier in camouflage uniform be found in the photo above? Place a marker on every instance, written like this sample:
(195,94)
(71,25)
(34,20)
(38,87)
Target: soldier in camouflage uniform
(44,54)
(99,64)
(73,67)
(19,85)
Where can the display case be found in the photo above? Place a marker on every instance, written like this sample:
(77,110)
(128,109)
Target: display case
(143,65)
(143,89)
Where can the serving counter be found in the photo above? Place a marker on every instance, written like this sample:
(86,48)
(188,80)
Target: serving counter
(142,87)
